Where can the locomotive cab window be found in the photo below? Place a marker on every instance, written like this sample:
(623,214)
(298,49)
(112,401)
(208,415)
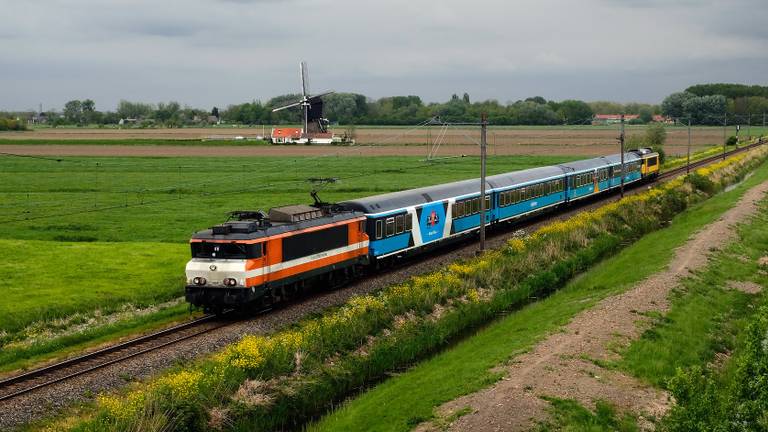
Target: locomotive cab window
(226,250)
(653,161)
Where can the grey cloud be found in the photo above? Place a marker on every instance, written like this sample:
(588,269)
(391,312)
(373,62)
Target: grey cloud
(205,52)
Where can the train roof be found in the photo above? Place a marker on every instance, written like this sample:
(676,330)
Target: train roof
(397,200)
(599,162)
(251,229)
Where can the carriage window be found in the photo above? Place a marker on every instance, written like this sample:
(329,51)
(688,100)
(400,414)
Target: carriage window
(379,229)
(487,202)
(475,205)
(399,224)
(408,222)
(390,226)
(455,209)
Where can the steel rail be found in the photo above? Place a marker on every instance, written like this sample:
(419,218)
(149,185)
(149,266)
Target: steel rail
(51,369)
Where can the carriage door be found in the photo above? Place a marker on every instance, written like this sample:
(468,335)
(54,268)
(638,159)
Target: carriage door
(596,180)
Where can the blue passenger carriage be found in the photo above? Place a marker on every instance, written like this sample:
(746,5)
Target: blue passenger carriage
(401,223)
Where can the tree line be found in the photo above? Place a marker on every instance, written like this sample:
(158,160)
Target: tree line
(715,104)
(348,109)
(704,104)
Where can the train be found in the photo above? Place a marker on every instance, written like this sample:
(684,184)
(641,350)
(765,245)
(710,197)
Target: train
(258,258)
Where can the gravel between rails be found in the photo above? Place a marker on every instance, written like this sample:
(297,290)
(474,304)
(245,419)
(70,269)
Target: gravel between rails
(52,399)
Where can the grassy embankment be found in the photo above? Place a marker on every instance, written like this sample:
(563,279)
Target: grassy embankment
(279,380)
(409,398)
(106,238)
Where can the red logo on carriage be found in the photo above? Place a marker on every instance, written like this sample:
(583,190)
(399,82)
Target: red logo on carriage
(433,219)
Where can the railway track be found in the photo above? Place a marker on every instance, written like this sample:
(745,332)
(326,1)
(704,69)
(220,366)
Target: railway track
(36,379)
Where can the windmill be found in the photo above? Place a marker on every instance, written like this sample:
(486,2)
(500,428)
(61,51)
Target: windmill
(311,105)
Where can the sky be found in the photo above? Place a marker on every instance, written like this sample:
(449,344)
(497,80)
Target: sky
(206,53)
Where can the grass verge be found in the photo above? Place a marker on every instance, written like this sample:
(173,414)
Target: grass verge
(709,349)
(569,415)
(15,356)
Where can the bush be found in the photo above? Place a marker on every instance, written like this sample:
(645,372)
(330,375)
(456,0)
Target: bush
(732,140)
(736,400)
(655,135)
(701,183)
(7,124)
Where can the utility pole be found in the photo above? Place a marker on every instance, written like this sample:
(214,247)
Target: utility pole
(688,167)
(483,136)
(725,131)
(621,142)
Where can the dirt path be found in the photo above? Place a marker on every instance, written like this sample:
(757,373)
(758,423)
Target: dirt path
(560,366)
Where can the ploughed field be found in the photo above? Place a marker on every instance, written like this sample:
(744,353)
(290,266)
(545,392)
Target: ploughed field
(373,141)
(88,242)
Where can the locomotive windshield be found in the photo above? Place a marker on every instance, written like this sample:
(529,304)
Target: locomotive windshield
(226,250)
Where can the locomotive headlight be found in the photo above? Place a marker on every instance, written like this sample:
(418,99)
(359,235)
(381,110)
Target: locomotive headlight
(199,280)
(230,282)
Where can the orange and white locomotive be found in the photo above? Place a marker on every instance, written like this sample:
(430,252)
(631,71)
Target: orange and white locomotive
(260,259)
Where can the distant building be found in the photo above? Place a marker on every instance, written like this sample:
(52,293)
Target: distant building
(297,136)
(603,119)
(658,118)
(39,118)
(286,135)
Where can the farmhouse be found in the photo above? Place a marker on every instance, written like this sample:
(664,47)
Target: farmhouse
(297,136)
(603,119)
(286,135)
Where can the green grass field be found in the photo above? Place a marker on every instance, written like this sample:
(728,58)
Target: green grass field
(409,398)
(85,234)
(166,199)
